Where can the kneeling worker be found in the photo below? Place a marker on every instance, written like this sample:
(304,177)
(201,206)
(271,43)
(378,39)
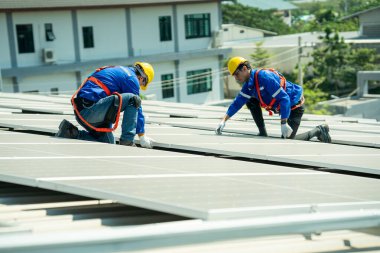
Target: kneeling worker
(267,88)
(100,99)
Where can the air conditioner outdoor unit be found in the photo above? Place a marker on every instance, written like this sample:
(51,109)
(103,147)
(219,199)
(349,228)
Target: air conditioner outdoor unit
(217,38)
(48,55)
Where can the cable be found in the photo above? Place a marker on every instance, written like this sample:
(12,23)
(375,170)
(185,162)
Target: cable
(157,85)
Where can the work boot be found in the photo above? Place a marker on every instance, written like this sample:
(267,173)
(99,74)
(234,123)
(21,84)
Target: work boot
(127,143)
(67,130)
(262,132)
(324,135)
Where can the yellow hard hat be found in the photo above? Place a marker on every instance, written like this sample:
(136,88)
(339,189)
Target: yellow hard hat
(148,70)
(234,63)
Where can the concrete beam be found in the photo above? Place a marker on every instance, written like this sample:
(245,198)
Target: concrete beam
(78,66)
(362,81)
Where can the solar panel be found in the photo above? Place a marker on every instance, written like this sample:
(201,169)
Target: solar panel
(357,134)
(189,185)
(332,156)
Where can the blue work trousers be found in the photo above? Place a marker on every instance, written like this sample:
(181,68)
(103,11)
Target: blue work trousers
(96,114)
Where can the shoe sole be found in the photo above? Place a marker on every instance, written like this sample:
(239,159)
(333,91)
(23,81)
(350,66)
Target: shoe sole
(325,133)
(63,122)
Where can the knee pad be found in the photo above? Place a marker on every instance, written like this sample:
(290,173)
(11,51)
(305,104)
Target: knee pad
(135,101)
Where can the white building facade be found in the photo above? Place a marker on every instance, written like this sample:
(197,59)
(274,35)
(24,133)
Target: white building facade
(51,49)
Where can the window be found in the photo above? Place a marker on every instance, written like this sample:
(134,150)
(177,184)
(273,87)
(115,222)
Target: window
(165,28)
(88,37)
(197,25)
(199,81)
(32,91)
(54,91)
(25,38)
(167,85)
(49,32)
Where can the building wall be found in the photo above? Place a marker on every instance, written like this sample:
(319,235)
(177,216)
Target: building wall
(65,82)
(197,64)
(155,88)
(146,32)
(63,45)
(197,43)
(370,24)
(7,85)
(110,33)
(110,41)
(370,17)
(235,32)
(5,57)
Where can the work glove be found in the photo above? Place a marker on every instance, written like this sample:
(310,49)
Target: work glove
(219,129)
(286,130)
(146,142)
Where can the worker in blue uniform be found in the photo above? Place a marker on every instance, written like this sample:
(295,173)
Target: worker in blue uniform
(267,88)
(103,95)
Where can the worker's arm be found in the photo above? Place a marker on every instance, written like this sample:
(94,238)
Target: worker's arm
(236,105)
(140,127)
(145,141)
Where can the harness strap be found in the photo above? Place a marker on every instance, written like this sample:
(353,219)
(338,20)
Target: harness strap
(108,92)
(273,101)
(100,84)
(302,101)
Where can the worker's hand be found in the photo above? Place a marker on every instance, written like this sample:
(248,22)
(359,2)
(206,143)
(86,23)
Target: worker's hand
(219,129)
(286,130)
(146,142)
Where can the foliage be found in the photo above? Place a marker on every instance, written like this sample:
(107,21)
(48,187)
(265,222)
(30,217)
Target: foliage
(253,17)
(312,94)
(353,6)
(325,18)
(330,14)
(260,56)
(338,63)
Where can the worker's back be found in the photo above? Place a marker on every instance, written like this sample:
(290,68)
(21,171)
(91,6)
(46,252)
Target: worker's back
(117,79)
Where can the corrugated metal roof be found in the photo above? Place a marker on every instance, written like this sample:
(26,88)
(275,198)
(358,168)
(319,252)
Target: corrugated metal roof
(267,5)
(38,4)
(361,12)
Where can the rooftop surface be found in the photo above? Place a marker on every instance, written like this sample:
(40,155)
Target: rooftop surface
(197,187)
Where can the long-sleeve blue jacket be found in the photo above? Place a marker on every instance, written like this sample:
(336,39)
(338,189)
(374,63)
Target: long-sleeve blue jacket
(117,79)
(270,88)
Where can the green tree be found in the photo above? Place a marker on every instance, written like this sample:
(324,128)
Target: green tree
(335,64)
(352,6)
(312,94)
(260,56)
(253,17)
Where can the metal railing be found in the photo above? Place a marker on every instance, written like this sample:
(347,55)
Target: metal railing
(362,81)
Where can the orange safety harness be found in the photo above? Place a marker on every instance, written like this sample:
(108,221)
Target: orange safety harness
(282,85)
(108,92)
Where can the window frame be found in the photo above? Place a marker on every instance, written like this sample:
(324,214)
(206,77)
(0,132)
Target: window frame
(25,38)
(199,81)
(167,85)
(197,25)
(49,34)
(88,36)
(165,27)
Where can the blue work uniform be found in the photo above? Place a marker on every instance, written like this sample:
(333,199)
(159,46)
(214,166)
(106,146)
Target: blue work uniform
(270,88)
(118,79)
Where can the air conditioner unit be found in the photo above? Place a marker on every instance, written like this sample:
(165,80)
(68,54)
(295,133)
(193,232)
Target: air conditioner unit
(48,55)
(217,39)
